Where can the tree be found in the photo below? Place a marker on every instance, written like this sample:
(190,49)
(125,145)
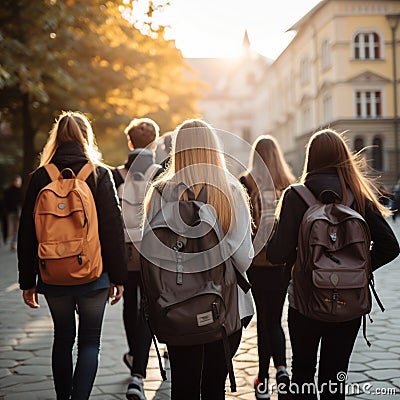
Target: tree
(86,55)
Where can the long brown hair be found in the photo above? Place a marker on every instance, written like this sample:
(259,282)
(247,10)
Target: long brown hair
(196,159)
(270,154)
(328,149)
(71,126)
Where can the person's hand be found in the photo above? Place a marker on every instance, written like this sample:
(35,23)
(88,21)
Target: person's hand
(31,298)
(116,293)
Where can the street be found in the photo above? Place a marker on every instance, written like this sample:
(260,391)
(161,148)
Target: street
(26,339)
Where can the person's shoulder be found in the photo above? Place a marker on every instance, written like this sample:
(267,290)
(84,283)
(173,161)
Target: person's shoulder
(291,196)
(38,174)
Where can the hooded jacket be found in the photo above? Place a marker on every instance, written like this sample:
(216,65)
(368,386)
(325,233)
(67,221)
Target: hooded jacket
(141,160)
(71,155)
(282,247)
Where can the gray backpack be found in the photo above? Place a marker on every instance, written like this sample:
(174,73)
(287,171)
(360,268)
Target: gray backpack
(190,284)
(332,272)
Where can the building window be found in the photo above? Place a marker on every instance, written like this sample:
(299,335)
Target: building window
(368,104)
(325,55)
(377,154)
(305,70)
(358,144)
(327,109)
(367,46)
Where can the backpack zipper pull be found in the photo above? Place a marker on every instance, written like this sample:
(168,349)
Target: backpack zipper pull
(43,264)
(215,311)
(79,259)
(179,266)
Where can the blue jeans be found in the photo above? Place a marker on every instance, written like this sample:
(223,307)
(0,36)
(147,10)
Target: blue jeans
(90,308)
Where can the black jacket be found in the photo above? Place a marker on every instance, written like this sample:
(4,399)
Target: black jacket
(282,246)
(108,212)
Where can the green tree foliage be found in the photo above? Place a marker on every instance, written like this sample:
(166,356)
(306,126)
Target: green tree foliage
(86,55)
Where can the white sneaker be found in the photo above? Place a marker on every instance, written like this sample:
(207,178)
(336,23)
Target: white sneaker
(135,389)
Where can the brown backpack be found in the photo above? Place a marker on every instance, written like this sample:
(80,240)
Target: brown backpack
(332,271)
(190,284)
(67,229)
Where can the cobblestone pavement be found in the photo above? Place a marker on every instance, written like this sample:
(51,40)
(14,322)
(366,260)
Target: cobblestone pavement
(26,339)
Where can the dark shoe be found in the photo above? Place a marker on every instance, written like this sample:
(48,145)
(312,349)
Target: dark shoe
(283,385)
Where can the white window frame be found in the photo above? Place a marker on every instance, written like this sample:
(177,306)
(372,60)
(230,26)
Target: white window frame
(364,100)
(362,45)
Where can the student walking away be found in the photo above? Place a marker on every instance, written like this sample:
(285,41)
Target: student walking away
(195,250)
(267,177)
(333,258)
(131,180)
(12,205)
(71,249)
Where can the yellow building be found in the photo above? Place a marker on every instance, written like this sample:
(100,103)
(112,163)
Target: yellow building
(337,72)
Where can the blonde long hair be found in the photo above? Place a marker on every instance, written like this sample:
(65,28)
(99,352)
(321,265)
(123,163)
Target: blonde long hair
(266,151)
(71,126)
(328,149)
(197,159)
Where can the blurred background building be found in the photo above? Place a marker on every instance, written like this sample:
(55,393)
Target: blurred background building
(339,71)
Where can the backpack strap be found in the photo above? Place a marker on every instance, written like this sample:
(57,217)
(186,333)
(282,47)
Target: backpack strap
(305,193)
(123,172)
(308,196)
(151,170)
(228,359)
(86,170)
(52,171)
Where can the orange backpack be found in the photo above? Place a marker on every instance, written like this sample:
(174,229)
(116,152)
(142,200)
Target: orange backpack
(67,229)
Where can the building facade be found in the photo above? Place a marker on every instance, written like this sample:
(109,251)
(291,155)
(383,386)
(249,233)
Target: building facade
(337,72)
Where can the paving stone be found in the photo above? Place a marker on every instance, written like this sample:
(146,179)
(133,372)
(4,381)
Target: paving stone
(360,358)
(383,374)
(357,367)
(380,355)
(26,336)
(354,377)
(385,364)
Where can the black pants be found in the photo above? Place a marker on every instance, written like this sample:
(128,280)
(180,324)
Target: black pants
(336,341)
(136,328)
(200,369)
(269,286)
